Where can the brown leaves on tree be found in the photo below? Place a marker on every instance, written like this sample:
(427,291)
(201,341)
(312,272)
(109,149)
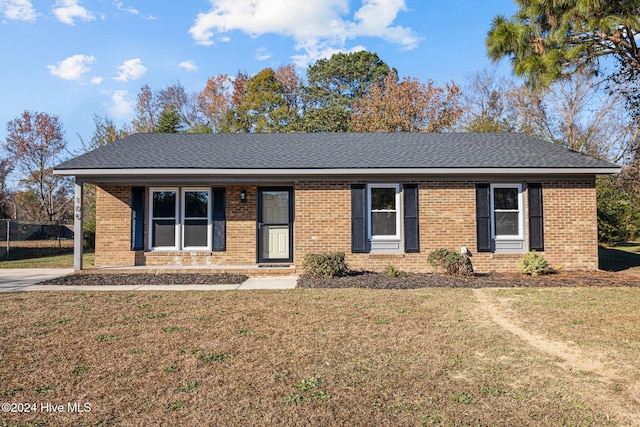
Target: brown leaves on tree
(406,106)
(34,142)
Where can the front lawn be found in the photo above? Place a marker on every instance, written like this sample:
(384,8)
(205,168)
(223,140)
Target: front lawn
(56,261)
(322,357)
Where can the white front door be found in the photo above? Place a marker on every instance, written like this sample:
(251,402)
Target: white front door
(274,225)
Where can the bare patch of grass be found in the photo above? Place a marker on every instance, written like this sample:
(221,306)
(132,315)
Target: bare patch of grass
(322,358)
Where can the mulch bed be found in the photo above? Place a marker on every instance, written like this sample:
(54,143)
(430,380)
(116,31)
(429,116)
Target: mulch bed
(97,279)
(366,280)
(371,280)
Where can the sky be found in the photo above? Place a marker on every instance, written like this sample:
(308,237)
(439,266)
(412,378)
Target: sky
(80,58)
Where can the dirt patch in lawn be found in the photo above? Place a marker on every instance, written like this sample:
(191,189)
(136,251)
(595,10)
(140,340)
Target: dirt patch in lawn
(95,279)
(369,280)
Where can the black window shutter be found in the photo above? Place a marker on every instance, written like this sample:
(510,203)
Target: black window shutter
(483,217)
(411,232)
(219,220)
(536,223)
(137,218)
(359,218)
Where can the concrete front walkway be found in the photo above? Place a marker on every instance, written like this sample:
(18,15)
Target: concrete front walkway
(15,279)
(12,280)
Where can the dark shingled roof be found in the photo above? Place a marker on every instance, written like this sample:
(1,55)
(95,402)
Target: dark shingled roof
(331,151)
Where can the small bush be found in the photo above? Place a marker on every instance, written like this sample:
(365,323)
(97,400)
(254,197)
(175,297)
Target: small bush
(533,264)
(325,264)
(392,271)
(451,262)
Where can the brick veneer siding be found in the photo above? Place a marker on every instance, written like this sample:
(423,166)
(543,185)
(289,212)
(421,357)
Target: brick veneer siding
(447,219)
(322,211)
(113,226)
(113,232)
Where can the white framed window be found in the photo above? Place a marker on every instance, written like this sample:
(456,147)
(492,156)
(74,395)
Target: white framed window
(179,218)
(384,216)
(163,214)
(507,212)
(196,218)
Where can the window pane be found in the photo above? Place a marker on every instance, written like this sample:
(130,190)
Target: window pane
(383,223)
(195,204)
(164,204)
(195,232)
(506,223)
(505,198)
(275,207)
(383,199)
(164,233)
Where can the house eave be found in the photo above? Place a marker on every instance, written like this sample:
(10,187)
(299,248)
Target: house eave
(342,172)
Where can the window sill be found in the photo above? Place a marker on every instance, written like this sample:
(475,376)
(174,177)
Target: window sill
(161,253)
(385,246)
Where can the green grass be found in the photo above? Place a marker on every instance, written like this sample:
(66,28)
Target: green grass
(57,261)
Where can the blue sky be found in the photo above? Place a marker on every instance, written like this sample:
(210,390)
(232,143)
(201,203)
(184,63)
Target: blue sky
(77,58)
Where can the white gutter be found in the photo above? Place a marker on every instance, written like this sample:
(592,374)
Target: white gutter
(333,172)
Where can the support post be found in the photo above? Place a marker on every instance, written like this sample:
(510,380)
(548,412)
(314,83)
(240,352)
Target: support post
(77,225)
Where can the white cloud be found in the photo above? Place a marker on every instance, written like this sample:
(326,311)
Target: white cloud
(18,10)
(68,10)
(121,105)
(96,80)
(189,66)
(132,10)
(313,55)
(131,69)
(73,67)
(262,54)
(316,26)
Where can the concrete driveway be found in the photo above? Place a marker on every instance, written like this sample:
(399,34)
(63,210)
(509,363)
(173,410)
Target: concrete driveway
(13,279)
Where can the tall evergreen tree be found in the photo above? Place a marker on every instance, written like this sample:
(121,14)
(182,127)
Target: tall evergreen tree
(334,84)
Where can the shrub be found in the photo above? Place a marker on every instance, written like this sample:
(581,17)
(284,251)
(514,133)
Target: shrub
(451,262)
(392,271)
(325,264)
(533,264)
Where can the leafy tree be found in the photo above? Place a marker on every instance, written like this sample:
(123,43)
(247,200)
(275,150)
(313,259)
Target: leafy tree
(169,121)
(406,106)
(334,84)
(239,88)
(292,86)
(215,99)
(618,211)
(35,142)
(263,108)
(547,40)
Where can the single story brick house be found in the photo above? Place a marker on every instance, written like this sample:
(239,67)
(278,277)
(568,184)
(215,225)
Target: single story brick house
(381,198)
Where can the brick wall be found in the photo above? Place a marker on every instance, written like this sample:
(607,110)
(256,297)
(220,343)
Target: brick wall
(447,219)
(323,223)
(113,232)
(113,226)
